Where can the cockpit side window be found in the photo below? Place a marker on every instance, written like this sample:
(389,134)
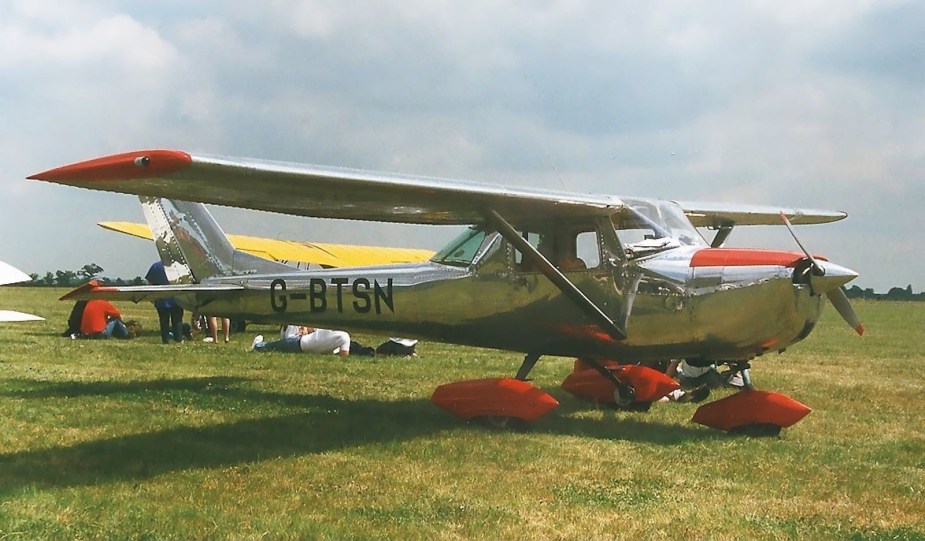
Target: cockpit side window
(633,227)
(569,249)
(646,226)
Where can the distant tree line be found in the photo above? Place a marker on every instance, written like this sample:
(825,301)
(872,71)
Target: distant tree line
(894,294)
(71,278)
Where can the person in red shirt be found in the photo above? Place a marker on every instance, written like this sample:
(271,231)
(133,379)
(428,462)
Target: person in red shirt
(102,320)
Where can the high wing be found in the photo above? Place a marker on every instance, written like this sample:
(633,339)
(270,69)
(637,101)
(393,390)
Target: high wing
(318,191)
(716,215)
(323,254)
(329,192)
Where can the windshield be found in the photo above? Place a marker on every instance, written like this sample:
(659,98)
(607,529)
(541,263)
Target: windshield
(646,225)
(461,250)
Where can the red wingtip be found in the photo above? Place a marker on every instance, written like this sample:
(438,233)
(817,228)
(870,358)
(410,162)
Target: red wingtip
(859,329)
(131,165)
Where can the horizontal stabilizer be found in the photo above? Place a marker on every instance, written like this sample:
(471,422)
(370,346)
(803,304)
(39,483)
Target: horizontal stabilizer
(94,290)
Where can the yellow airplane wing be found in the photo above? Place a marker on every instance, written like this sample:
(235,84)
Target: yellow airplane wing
(302,253)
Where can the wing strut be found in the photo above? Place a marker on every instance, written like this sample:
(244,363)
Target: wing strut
(555,276)
(722,233)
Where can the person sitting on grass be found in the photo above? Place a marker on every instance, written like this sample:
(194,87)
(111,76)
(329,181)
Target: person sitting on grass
(300,339)
(102,320)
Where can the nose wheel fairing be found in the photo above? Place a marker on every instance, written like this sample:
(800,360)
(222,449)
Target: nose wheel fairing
(751,411)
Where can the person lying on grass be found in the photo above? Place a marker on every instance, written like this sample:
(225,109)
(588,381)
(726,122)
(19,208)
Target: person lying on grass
(301,339)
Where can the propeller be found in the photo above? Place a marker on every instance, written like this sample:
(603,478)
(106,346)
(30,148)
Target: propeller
(829,280)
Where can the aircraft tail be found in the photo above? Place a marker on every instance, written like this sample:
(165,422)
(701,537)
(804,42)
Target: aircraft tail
(193,247)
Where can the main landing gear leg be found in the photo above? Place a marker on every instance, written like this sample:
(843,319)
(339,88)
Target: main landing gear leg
(527,366)
(506,421)
(624,394)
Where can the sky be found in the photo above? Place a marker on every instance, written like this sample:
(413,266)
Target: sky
(817,103)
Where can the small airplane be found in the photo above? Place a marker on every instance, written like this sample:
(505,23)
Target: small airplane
(11,275)
(540,272)
(300,254)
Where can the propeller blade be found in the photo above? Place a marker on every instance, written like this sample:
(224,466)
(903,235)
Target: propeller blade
(840,301)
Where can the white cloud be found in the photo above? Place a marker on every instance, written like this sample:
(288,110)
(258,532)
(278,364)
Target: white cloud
(802,104)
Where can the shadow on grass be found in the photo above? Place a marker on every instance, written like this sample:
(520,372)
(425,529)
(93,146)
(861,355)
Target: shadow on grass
(328,423)
(71,389)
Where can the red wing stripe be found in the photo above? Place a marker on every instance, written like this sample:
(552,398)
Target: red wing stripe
(131,165)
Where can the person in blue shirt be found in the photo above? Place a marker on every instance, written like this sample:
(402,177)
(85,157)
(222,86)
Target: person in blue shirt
(169,313)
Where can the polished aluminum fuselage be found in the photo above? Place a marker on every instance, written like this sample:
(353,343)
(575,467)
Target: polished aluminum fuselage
(670,308)
(650,292)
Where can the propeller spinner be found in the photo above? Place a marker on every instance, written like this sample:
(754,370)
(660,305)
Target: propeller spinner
(828,278)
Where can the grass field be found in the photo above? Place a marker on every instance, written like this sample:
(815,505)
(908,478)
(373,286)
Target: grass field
(136,440)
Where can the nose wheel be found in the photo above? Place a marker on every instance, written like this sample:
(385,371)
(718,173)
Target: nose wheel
(624,395)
